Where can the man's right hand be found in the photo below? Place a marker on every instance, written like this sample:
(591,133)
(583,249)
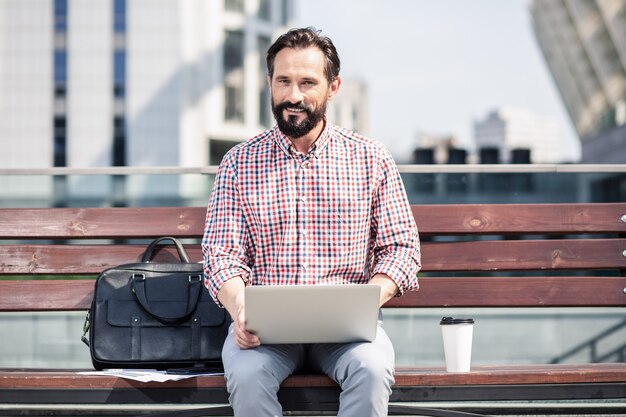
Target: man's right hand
(243,338)
(231,296)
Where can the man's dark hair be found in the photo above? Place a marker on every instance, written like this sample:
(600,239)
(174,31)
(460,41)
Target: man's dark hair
(304,38)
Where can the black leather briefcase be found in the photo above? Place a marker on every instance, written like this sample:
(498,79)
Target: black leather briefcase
(155,315)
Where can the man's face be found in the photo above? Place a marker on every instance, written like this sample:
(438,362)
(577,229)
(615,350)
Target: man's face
(300,90)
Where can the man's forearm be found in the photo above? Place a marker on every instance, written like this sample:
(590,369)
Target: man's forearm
(231,295)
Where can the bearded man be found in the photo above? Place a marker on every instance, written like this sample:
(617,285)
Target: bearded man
(307,203)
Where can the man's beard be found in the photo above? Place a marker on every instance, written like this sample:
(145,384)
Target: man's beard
(292,127)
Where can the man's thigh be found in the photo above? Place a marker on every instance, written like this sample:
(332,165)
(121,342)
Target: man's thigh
(280,360)
(335,360)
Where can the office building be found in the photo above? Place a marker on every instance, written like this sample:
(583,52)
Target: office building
(133,82)
(350,107)
(584,45)
(511,129)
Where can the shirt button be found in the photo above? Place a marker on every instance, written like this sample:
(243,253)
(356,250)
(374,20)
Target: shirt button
(305,265)
(304,233)
(303,199)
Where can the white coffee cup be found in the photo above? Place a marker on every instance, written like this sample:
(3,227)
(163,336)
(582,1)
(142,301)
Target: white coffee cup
(457,343)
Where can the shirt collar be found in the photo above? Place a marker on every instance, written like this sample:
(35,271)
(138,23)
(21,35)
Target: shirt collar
(316,148)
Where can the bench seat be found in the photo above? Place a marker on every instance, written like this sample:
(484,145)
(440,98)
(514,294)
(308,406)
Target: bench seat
(68,391)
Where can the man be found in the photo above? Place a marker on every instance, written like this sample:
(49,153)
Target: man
(307,203)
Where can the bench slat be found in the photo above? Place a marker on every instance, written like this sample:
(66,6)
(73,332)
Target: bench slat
(520,218)
(525,255)
(101,223)
(68,295)
(77,223)
(435,376)
(497,255)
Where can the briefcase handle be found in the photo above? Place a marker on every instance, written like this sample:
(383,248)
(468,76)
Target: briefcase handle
(194,289)
(182,254)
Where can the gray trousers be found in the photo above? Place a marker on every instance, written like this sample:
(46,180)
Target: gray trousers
(364,371)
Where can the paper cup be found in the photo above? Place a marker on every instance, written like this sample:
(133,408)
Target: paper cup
(457,343)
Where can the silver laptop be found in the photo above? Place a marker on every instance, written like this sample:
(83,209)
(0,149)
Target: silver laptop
(312,313)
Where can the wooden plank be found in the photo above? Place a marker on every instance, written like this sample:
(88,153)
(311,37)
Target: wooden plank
(498,255)
(101,223)
(524,255)
(516,292)
(71,295)
(459,219)
(449,219)
(80,259)
(46,295)
(405,377)
(514,374)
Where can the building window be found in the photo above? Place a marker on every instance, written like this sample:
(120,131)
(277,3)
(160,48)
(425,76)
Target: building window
(286,12)
(59,78)
(119,16)
(265,113)
(233,76)
(217,149)
(119,73)
(60,141)
(60,73)
(265,10)
(234,5)
(119,141)
(60,16)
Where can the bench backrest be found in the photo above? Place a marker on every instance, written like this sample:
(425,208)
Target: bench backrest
(488,255)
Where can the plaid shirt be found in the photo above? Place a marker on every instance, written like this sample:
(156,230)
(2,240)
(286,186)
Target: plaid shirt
(336,215)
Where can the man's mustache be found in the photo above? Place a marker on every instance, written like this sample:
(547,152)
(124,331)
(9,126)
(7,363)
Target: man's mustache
(286,104)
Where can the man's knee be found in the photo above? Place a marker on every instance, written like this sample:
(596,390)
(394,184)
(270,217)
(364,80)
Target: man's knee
(369,369)
(371,373)
(251,375)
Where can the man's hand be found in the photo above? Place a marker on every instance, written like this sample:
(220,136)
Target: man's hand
(388,287)
(231,295)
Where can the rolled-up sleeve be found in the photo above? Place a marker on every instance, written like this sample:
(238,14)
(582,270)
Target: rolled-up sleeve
(396,240)
(224,245)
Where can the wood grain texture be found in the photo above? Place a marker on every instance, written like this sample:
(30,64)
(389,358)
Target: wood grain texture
(71,295)
(497,255)
(449,219)
(405,377)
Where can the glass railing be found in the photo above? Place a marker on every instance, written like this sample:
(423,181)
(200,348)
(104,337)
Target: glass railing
(425,184)
(502,336)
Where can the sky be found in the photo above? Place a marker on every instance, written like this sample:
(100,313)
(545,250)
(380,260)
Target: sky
(439,65)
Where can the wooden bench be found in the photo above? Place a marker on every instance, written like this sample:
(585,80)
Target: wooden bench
(506,256)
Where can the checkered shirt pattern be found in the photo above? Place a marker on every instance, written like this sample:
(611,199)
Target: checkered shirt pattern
(336,215)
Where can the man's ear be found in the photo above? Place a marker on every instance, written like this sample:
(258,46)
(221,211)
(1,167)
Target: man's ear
(333,88)
(269,82)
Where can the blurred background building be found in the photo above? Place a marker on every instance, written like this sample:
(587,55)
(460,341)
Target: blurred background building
(350,108)
(434,148)
(584,45)
(517,135)
(133,82)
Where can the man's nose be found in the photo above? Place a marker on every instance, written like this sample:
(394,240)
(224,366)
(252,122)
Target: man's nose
(295,95)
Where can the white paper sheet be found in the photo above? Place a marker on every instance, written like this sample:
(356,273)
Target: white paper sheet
(146,375)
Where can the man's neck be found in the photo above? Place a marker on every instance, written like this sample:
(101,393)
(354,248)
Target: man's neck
(304,143)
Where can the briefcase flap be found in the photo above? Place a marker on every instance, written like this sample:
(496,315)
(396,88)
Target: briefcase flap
(121,313)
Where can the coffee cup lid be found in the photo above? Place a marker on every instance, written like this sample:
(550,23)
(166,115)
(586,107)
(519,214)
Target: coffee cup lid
(451,320)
